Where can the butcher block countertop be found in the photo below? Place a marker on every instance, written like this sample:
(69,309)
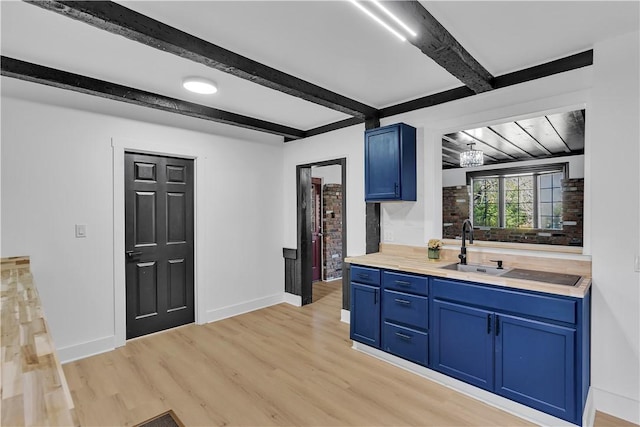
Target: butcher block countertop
(34,389)
(413,259)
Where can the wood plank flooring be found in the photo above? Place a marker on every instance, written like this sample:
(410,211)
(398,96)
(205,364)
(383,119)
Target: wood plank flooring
(282,365)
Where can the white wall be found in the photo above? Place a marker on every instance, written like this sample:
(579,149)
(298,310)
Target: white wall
(609,92)
(614,182)
(57,171)
(343,143)
(331,174)
(458,176)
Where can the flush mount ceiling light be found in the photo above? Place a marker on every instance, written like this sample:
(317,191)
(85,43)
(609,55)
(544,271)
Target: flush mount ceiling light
(471,157)
(382,22)
(199,85)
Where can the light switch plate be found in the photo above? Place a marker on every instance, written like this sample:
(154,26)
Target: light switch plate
(81,231)
(636,264)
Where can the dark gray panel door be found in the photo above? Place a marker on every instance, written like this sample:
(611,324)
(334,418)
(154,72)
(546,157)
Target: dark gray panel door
(158,243)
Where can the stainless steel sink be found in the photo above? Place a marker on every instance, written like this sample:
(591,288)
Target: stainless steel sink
(477,268)
(518,273)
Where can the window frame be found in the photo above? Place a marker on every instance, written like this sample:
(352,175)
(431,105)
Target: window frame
(501,174)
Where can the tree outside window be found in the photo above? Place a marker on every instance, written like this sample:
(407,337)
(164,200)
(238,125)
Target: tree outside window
(486,202)
(518,199)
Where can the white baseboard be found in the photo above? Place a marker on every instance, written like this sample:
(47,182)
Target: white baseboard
(86,349)
(345,316)
(244,307)
(589,414)
(522,411)
(293,299)
(616,405)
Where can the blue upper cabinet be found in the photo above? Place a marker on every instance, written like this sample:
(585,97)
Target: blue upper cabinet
(390,163)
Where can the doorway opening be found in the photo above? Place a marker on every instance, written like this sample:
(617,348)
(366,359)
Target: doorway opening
(321,225)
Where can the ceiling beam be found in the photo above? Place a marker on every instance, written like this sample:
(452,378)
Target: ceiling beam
(64,80)
(568,63)
(579,60)
(117,19)
(438,44)
(333,126)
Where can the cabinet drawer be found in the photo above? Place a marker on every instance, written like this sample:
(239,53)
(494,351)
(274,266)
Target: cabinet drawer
(406,343)
(522,303)
(369,276)
(405,282)
(407,309)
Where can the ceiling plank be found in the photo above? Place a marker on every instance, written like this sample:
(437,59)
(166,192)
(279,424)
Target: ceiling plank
(569,126)
(438,44)
(117,19)
(64,80)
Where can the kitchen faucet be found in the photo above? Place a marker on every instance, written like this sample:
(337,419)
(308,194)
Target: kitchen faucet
(463,249)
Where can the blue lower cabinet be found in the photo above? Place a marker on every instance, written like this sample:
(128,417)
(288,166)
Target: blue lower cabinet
(365,314)
(407,309)
(407,343)
(541,362)
(535,365)
(462,343)
(529,347)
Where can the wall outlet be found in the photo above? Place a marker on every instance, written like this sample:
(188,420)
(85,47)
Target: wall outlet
(389,236)
(81,231)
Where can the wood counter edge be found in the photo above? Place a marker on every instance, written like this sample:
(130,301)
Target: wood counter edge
(433,268)
(59,408)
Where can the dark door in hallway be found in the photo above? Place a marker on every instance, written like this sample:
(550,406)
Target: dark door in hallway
(158,243)
(316,228)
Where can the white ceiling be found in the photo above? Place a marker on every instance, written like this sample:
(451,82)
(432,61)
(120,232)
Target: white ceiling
(328,43)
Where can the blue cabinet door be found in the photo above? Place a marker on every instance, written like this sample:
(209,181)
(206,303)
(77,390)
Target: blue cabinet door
(535,365)
(462,343)
(390,163)
(382,164)
(365,314)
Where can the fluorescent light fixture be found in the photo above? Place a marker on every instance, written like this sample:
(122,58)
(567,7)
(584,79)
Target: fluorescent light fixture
(378,20)
(199,85)
(394,17)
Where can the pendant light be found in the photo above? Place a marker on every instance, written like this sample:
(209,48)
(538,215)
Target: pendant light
(471,157)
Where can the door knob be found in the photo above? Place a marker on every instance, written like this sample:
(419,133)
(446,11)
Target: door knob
(131,254)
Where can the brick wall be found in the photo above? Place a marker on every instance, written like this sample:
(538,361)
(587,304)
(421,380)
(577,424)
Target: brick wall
(332,230)
(455,209)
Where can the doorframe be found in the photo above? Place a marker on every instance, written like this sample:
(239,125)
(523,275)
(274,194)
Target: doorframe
(321,226)
(119,147)
(304,260)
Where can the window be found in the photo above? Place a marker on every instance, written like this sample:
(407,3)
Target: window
(518,198)
(486,202)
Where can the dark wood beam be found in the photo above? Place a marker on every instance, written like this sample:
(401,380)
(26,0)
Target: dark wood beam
(333,126)
(120,20)
(438,44)
(568,63)
(573,62)
(64,80)
(427,101)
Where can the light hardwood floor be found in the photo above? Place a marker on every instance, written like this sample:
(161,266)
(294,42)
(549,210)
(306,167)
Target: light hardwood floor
(282,365)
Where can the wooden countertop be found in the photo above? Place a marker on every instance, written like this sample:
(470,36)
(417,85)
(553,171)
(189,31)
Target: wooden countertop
(414,260)
(34,390)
